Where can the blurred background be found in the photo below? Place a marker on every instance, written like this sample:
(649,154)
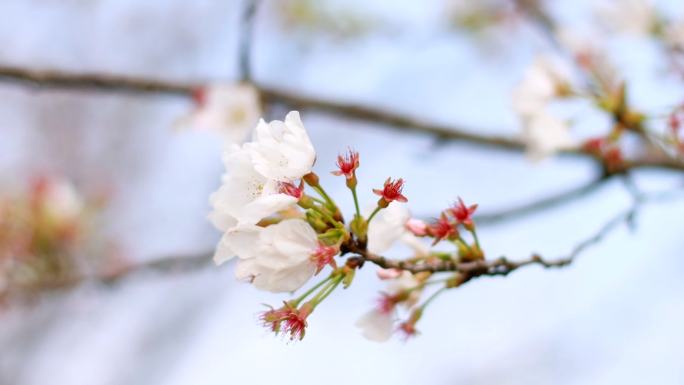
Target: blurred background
(138,190)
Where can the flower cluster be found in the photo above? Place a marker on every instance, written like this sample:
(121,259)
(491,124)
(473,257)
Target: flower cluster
(553,86)
(549,80)
(45,236)
(284,229)
(674,122)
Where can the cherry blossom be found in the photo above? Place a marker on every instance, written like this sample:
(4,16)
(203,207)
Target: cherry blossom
(275,258)
(545,135)
(541,82)
(246,195)
(229,109)
(389,226)
(282,151)
(378,324)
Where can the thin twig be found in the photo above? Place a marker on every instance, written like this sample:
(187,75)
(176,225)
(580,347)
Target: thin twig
(246,38)
(504,266)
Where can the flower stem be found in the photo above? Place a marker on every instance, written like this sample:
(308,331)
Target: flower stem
(477,240)
(325,196)
(328,217)
(432,297)
(377,209)
(356,201)
(318,200)
(311,290)
(328,289)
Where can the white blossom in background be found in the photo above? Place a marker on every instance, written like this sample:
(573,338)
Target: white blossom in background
(231,110)
(61,201)
(389,226)
(637,17)
(674,34)
(275,258)
(542,81)
(282,150)
(378,324)
(545,135)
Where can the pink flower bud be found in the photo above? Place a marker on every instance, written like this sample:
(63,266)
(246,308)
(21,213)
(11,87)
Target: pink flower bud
(417,227)
(388,273)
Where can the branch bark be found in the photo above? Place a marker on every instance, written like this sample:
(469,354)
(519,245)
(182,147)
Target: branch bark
(46,79)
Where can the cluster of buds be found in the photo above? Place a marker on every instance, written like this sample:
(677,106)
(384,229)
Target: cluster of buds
(608,150)
(284,229)
(674,122)
(594,80)
(43,235)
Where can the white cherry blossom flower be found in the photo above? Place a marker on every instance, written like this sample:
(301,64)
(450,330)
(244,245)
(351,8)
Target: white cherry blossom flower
(282,151)
(546,134)
(378,324)
(541,82)
(245,195)
(276,258)
(232,110)
(390,226)
(60,200)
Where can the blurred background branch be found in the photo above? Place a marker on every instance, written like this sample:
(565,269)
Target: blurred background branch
(47,79)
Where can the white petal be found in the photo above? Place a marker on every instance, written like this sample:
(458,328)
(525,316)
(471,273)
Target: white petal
(282,150)
(62,202)
(221,220)
(284,280)
(405,281)
(288,243)
(239,241)
(245,194)
(387,227)
(420,248)
(376,326)
(231,110)
(545,135)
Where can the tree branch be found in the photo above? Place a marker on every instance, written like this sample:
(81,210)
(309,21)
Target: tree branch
(111,83)
(504,266)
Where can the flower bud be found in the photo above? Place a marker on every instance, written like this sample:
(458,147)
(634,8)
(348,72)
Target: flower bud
(315,219)
(334,236)
(359,226)
(311,179)
(306,202)
(349,274)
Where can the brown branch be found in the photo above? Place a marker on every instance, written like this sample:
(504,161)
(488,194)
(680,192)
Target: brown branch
(504,266)
(46,79)
(165,265)
(499,266)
